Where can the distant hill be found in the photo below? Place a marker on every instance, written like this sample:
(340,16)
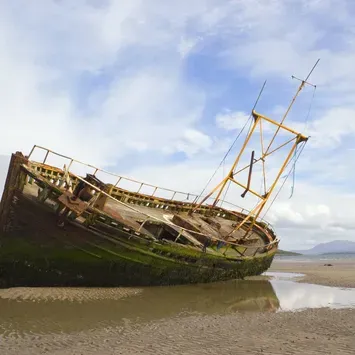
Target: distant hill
(286,253)
(336,246)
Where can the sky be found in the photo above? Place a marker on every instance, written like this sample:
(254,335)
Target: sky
(159,90)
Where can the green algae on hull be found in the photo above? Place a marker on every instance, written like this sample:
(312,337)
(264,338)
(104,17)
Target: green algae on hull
(77,257)
(34,251)
(27,265)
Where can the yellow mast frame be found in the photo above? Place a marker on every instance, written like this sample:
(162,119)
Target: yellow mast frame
(258,121)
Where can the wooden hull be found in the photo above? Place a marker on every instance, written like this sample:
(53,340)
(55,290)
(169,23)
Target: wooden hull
(34,251)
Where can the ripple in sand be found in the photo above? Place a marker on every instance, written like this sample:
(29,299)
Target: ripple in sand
(67,294)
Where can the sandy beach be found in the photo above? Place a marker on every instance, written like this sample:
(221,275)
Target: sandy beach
(310,331)
(341,273)
(313,331)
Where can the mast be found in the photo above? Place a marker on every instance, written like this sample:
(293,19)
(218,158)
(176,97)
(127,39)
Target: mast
(232,175)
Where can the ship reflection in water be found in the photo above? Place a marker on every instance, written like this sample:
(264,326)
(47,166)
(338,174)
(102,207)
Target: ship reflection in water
(49,310)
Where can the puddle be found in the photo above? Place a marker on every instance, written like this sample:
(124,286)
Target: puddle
(282,275)
(294,296)
(30,310)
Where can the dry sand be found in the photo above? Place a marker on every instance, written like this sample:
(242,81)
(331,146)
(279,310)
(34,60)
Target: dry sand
(341,273)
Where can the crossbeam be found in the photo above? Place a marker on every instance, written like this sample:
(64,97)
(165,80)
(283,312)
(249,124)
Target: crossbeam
(231,176)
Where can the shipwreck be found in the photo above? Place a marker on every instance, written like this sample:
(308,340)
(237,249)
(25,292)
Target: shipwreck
(60,228)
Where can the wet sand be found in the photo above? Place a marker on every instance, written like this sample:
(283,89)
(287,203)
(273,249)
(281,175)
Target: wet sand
(319,331)
(312,331)
(340,274)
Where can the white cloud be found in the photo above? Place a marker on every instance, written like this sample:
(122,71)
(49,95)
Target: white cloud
(231,120)
(330,130)
(193,142)
(109,81)
(186,45)
(59,44)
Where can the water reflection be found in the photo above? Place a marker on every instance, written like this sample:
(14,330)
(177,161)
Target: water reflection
(33,311)
(295,296)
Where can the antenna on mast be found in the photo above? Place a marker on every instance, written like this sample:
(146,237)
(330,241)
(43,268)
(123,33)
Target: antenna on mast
(303,83)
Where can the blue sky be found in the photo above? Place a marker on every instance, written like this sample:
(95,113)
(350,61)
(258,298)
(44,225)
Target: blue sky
(157,90)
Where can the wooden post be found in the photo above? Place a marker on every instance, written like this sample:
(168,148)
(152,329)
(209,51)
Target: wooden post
(46,156)
(155,190)
(102,198)
(14,184)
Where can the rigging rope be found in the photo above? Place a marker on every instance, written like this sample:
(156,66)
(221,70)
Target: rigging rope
(296,156)
(225,194)
(305,128)
(293,169)
(285,179)
(231,147)
(229,183)
(309,108)
(223,160)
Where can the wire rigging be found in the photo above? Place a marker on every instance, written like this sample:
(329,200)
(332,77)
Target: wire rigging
(309,108)
(293,161)
(293,169)
(229,183)
(234,142)
(222,161)
(306,124)
(285,179)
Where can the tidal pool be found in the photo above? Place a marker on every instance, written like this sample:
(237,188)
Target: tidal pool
(51,310)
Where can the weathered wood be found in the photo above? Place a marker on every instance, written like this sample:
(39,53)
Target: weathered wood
(14,183)
(130,245)
(77,205)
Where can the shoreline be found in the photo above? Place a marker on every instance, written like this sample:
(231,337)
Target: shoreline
(341,273)
(272,332)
